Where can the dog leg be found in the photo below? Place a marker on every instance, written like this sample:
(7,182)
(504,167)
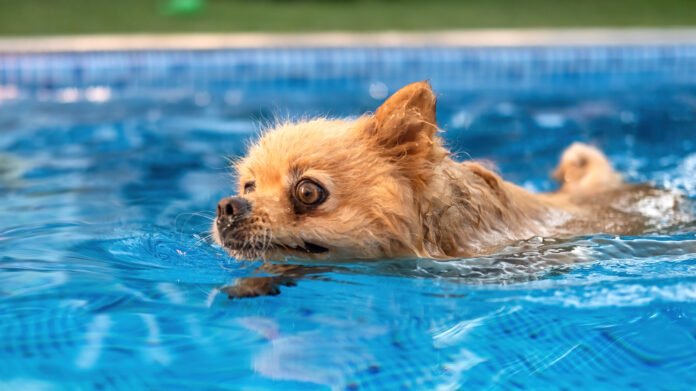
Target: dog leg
(281,275)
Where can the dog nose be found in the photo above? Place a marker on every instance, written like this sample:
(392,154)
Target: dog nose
(232,207)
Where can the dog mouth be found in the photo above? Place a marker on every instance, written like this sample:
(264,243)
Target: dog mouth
(250,237)
(251,243)
(253,249)
(306,248)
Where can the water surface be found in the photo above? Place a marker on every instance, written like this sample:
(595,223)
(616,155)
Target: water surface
(108,279)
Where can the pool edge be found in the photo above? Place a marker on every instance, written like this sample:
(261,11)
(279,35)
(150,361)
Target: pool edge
(449,38)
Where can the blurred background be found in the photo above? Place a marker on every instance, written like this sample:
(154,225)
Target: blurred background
(40,17)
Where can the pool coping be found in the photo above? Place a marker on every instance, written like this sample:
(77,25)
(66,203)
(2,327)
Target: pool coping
(450,38)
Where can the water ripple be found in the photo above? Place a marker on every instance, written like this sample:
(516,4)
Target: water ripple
(108,279)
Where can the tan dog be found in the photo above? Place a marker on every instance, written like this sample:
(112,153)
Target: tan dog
(384,186)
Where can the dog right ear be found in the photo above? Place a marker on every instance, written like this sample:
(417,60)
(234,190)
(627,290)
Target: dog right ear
(405,124)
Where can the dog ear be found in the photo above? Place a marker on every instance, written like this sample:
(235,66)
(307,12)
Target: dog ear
(405,123)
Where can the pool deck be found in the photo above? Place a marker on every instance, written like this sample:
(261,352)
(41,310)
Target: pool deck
(459,38)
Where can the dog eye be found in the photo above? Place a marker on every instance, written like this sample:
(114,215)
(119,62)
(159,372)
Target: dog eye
(309,192)
(249,187)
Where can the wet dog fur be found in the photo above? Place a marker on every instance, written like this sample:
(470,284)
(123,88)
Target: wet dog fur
(384,186)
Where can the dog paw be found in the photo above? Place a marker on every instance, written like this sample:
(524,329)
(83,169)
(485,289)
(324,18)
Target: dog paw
(257,286)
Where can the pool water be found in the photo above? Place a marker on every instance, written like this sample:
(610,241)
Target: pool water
(109,279)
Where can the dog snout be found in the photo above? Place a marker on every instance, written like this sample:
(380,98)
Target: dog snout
(232,207)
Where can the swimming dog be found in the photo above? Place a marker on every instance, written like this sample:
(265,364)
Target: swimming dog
(385,186)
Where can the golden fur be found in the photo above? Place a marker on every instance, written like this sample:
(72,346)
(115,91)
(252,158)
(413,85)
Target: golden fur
(394,191)
(585,169)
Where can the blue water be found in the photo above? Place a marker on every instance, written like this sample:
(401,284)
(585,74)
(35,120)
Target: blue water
(109,281)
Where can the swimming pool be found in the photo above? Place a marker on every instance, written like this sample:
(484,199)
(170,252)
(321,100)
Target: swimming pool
(111,165)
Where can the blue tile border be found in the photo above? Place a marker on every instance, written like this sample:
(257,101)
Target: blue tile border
(585,67)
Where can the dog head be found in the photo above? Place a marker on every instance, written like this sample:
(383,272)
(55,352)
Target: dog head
(335,189)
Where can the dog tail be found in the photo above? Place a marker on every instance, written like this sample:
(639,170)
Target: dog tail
(585,169)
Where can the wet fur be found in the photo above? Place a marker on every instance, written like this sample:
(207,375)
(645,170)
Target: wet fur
(396,192)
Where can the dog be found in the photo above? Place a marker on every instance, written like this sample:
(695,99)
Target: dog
(385,186)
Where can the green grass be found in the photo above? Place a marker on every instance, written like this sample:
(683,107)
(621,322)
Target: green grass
(33,17)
